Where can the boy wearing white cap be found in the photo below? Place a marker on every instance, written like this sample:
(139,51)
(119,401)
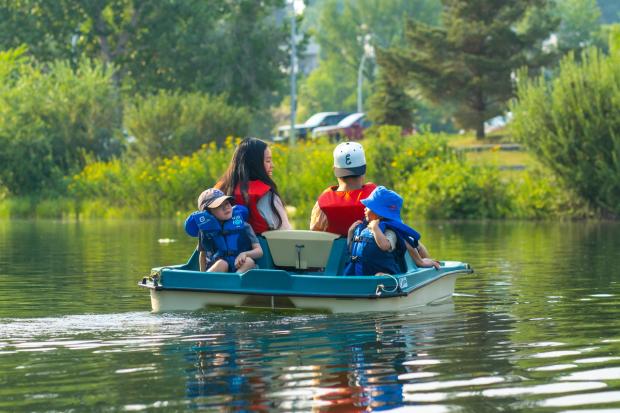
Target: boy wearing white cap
(340,205)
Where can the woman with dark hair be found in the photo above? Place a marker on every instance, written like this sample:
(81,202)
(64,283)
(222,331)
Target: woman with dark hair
(248,179)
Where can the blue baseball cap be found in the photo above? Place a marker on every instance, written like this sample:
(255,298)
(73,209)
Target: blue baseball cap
(385,203)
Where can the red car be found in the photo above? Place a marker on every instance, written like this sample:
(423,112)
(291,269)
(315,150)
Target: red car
(352,127)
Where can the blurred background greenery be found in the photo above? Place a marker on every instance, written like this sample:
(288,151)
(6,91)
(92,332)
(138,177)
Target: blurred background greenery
(125,108)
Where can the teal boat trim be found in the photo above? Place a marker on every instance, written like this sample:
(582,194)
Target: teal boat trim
(302,265)
(377,281)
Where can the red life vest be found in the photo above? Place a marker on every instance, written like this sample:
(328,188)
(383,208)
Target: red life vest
(343,208)
(256,190)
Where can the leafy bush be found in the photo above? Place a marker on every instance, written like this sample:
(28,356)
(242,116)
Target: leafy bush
(153,187)
(169,186)
(434,182)
(392,156)
(52,121)
(303,173)
(537,194)
(454,189)
(171,123)
(571,124)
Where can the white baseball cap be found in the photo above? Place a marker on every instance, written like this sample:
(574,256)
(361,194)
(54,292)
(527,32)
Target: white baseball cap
(349,160)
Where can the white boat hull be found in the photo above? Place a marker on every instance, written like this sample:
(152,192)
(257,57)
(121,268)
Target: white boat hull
(437,290)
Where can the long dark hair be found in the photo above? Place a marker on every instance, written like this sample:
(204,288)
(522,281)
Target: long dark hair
(247,164)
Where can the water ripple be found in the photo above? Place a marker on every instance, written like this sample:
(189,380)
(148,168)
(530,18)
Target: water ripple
(534,329)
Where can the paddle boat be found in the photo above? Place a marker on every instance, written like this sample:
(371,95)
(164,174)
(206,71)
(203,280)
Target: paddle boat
(301,270)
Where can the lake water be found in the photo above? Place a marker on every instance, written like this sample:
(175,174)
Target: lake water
(536,328)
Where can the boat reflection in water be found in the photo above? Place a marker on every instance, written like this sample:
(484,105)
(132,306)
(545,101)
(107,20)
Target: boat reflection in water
(310,365)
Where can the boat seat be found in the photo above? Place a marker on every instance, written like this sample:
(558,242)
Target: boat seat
(300,249)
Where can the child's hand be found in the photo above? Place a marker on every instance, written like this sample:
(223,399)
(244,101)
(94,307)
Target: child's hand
(374,224)
(428,262)
(355,224)
(240,260)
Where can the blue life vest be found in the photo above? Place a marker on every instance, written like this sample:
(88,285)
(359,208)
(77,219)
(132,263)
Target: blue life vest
(366,256)
(225,240)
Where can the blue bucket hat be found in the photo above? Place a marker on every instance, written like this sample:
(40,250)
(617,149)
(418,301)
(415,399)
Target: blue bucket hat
(385,203)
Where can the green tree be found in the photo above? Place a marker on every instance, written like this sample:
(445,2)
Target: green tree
(329,87)
(614,39)
(339,27)
(391,104)
(191,45)
(570,123)
(171,123)
(53,121)
(469,61)
(579,24)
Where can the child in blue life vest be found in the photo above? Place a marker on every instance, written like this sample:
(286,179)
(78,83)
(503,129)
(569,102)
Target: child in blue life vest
(379,243)
(227,242)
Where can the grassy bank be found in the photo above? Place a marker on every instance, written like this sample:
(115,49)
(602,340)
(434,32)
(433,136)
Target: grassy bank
(437,181)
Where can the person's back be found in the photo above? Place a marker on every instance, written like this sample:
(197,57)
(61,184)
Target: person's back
(339,206)
(342,206)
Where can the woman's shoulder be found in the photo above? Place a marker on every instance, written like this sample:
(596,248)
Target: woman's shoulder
(259,187)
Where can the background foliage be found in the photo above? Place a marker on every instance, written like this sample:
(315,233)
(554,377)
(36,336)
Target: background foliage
(52,122)
(172,123)
(571,123)
(469,60)
(435,181)
(339,27)
(128,103)
(237,48)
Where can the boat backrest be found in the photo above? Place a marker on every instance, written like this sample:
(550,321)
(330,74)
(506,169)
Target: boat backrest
(300,249)
(337,258)
(191,264)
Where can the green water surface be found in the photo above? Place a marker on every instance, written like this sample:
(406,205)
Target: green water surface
(534,329)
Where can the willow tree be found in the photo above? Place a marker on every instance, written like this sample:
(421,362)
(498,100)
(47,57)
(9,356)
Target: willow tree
(467,62)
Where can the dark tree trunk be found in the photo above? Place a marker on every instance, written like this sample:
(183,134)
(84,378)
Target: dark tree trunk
(480,130)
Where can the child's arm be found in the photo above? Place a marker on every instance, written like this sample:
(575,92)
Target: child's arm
(423,251)
(255,253)
(382,242)
(202,261)
(352,230)
(419,261)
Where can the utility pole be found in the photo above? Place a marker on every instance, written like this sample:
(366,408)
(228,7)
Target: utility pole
(292,132)
(368,53)
(360,77)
